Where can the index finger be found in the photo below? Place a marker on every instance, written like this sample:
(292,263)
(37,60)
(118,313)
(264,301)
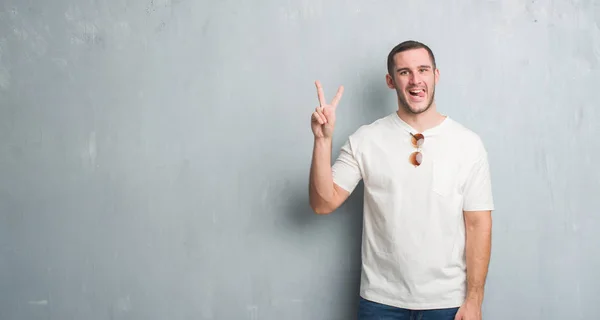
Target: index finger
(320,94)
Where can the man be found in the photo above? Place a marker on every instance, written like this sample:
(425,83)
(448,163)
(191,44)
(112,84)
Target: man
(427,198)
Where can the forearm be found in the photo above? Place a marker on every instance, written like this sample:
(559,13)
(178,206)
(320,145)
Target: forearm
(478,248)
(321,190)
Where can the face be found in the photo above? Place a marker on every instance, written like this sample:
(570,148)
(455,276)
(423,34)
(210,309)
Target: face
(414,80)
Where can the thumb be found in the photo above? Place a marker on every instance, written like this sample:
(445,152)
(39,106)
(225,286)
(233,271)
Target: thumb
(459,315)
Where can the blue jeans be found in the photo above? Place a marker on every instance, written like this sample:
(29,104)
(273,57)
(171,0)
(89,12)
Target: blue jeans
(369,310)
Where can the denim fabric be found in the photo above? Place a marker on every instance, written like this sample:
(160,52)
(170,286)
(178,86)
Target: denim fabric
(369,310)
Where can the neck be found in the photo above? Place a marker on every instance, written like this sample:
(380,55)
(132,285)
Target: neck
(421,121)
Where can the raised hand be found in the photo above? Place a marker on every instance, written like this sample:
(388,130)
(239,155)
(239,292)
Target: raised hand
(323,119)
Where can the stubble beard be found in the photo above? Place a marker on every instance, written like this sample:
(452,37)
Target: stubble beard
(406,106)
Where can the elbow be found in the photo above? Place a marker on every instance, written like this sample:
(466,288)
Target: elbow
(320,208)
(321,205)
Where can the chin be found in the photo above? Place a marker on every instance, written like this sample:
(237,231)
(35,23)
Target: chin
(417,109)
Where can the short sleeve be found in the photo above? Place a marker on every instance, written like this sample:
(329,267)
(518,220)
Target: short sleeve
(478,187)
(346,170)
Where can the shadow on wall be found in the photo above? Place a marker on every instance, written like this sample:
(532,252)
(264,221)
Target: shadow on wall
(371,97)
(378,100)
(345,224)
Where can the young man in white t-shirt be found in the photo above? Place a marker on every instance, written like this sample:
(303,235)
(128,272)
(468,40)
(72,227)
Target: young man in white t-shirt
(427,198)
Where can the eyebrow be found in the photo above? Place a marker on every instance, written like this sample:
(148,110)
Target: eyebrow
(420,67)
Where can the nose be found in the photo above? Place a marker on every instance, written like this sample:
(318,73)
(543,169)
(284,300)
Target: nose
(415,79)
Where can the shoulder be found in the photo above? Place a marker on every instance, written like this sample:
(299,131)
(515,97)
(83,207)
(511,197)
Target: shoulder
(467,140)
(371,131)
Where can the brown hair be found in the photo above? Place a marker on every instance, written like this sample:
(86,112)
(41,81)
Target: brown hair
(407,45)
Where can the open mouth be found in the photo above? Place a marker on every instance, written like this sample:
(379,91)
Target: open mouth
(420,93)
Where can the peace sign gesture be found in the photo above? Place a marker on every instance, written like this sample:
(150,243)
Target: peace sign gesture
(323,119)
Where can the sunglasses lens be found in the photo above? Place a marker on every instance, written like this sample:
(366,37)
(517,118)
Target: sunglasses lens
(417,140)
(416,158)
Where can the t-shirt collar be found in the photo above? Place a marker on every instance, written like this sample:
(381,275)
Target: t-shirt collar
(410,129)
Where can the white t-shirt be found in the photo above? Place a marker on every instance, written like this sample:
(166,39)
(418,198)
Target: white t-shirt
(414,235)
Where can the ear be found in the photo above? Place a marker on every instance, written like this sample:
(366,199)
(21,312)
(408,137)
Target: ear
(437,75)
(389,81)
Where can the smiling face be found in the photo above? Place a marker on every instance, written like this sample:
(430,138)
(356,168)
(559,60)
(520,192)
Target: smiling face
(414,77)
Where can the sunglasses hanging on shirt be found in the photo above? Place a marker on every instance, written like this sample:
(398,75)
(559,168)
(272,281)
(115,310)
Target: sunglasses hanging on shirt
(416,158)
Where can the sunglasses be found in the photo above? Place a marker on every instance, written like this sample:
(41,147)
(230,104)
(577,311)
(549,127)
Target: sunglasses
(416,158)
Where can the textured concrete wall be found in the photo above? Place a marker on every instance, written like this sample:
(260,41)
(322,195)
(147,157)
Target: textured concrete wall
(155,153)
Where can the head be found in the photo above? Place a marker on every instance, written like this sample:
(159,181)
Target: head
(413,73)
